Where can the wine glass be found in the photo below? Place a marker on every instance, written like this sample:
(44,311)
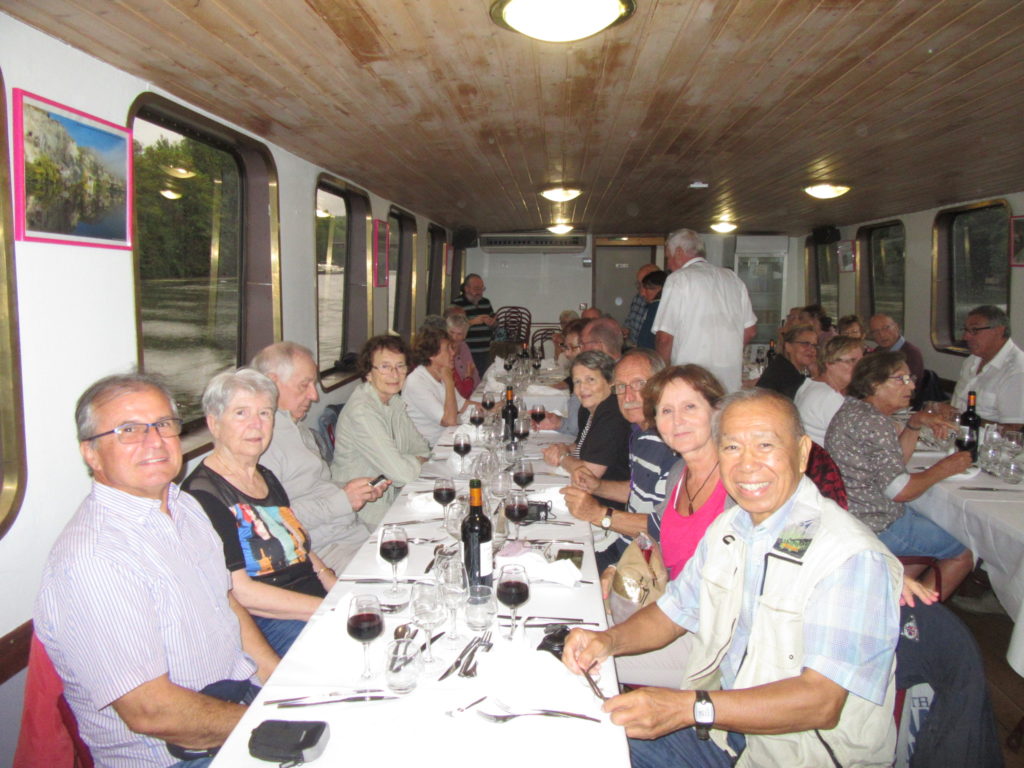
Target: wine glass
(444,492)
(522,473)
(517,509)
(537,413)
(521,428)
(462,445)
(499,487)
(453,515)
(476,417)
(513,590)
(454,585)
(488,401)
(427,611)
(365,624)
(394,548)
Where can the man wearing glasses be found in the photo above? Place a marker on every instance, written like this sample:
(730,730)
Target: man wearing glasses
(135,608)
(995,369)
(886,333)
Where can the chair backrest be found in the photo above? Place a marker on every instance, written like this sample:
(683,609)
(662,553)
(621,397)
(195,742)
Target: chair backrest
(823,471)
(929,388)
(516,321)
(324,433)
(539,338)
(49,732)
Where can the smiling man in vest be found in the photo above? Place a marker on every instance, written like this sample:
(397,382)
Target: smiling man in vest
(794,607)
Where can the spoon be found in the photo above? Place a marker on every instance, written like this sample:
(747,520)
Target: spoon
(403,631)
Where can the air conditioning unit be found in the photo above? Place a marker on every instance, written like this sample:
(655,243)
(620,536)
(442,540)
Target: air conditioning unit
(532,243)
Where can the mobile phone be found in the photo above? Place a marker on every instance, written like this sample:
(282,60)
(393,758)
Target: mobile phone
(378,480)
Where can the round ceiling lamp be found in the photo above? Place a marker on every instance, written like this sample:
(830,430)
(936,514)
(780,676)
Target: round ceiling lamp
(560,21)
(560,194)
(723,227)
(560,229)
(826,191)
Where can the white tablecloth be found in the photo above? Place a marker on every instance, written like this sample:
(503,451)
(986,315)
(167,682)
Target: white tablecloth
(991,525)
(414,730)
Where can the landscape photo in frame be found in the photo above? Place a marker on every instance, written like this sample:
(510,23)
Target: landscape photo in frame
(72,175)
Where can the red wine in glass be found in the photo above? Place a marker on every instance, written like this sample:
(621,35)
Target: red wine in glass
(476,419)
(488,402)
(394,551)
(516,512)
(366,627)
(522,431)
(512,593)
(538,415)
(522,478)
(444,496)
(462,448)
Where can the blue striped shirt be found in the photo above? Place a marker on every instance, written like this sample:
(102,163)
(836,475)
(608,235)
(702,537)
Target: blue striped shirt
(848,625)
(130,594)
(649,462)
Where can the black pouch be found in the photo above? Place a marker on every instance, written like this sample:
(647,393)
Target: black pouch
(554,639)
(289,742)
(538,512)
(237,691)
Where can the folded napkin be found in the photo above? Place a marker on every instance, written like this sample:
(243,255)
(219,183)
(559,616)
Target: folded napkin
(551,495)
(537,567)
(540,390)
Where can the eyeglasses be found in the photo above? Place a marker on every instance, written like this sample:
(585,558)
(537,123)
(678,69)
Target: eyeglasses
(135,432)
(387,369)
(977,329)
(906,378)
(636,386)
(804,343)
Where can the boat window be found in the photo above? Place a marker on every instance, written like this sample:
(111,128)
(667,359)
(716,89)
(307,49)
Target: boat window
(972,266)
(332,258)
(12,445)
(436,271)
(884,269)
(823,276)
(401,287)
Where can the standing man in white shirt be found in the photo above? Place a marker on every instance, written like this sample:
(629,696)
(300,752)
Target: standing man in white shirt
(995,369)
(705,316)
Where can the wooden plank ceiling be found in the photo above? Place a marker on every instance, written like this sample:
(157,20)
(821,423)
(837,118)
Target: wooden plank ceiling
(914,104)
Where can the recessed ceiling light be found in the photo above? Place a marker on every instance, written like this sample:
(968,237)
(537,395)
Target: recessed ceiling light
(322,213)
(826,191)
(178,172)
(560,21)
(560,229)
(170,194)
(560,194)
(698,185)
(723,227)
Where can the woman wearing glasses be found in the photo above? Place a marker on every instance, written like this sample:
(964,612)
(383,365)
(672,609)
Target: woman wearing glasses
(274,573)
(375,435)
(786,372)
(429,392)
(872,451)
(819,398)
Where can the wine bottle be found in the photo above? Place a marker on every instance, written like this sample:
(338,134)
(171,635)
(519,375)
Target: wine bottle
(476,538)
(970,424)
(509,414)
(771,351)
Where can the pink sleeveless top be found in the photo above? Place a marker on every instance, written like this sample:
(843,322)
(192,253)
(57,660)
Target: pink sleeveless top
(680,534)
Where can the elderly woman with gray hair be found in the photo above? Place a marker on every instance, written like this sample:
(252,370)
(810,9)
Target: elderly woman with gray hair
(274,573)
(467,377)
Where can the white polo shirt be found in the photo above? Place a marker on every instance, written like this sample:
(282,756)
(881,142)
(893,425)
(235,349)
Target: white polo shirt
(1000,385)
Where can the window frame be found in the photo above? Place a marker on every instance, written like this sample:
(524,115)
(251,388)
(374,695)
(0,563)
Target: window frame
(259,271)
(328,184)
(437,238)
(812,281)
(943,310)
(12,418)
(866,304)
(401,321)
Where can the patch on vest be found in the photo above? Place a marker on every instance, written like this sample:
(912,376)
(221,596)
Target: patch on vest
(796,538)
(909,630)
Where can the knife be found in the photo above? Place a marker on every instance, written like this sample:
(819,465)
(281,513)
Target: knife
(458,661)
(292,704)
(434,639)
(997,490)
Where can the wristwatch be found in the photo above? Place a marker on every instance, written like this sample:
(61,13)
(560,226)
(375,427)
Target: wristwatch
(703,715)
(606,521)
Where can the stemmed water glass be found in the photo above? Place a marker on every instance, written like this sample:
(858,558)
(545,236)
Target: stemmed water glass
(513,590)
(427,611)
(522,473)
(453,515)
(462,445)
(394,548)
(454,585)
(365,624)
(517,509)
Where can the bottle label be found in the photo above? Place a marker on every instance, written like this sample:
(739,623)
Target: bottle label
(486,559)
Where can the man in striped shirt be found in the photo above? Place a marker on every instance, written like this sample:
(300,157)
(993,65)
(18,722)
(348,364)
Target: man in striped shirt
(135,609)
(481,320)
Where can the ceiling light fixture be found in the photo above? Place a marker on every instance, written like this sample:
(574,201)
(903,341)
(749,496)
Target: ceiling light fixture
(723,227)
(560,21)
(697,184)
(170,194)
(560,194)
(826,191)
(560,229)
(178,172)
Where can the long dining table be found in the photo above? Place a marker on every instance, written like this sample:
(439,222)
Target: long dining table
(424,727)
(986,514)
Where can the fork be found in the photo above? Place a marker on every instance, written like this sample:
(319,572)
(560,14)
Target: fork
(539,713)
(469,667)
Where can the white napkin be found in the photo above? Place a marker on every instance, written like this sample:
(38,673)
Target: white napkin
(420,502)
(537,567)
(540,390)
(552,495)
(514,682)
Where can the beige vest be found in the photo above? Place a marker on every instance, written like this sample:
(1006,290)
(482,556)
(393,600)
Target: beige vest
(865,734)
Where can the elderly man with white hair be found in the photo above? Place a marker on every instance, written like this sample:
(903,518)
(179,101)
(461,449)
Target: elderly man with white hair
(705,316)
(326,508)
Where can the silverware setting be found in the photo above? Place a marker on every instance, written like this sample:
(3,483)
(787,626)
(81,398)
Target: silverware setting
(332,693)
(984,488)
(537,713)
(458,659)
(460,710)
(347,699)
(469,664)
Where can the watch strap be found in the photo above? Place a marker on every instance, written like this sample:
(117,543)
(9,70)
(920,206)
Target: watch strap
(702,707)
(606,521)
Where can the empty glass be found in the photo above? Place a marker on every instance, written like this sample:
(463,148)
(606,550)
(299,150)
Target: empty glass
(404,665)
(453,515)
(454,585)
(480,607)
(428,611)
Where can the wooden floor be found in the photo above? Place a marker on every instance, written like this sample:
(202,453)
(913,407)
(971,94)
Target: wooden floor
(1006,687)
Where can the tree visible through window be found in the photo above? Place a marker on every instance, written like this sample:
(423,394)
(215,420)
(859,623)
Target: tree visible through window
(331,260)
(979,246)
(887,270)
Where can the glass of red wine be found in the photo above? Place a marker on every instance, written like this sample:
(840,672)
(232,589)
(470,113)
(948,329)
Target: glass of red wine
(517,509)
(476,416)
(444,492)
(537,413)
(365,624)
(462,445)
(522,473)
(521,428)
(488,401)
(394,548)
(513,590)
